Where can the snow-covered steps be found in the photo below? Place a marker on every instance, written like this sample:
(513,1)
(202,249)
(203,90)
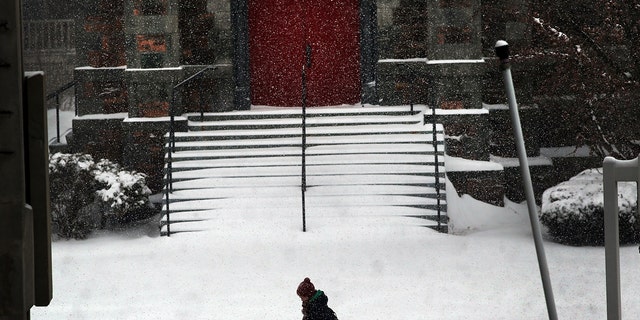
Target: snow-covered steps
(370,165)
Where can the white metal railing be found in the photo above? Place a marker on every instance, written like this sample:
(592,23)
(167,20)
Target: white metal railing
(615,171)
(49,35)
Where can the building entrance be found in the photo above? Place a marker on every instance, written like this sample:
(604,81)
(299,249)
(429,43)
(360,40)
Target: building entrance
(279,32)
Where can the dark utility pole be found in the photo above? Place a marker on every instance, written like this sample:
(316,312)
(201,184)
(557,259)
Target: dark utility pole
(25,234)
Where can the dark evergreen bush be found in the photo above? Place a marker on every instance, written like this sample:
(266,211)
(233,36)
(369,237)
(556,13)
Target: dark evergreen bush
(573,211)
(86,195)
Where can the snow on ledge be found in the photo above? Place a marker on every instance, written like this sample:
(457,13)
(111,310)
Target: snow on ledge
(155,119)
(97,116)
(495,106)
(455,164)
(427,61)
(154,69)
(102,68)
(450,112)
(515,162)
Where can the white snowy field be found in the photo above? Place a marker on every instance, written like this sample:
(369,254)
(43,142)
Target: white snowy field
(248,267)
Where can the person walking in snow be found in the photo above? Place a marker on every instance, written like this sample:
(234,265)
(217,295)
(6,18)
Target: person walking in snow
(314,302)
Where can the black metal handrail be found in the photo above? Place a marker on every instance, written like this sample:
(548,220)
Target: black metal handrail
(437,166)
(56,94)
(168,184)
(434,121)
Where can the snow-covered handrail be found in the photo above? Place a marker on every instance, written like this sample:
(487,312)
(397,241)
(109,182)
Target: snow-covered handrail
(615,171)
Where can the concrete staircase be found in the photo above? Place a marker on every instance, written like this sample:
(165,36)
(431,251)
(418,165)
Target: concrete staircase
(370,164)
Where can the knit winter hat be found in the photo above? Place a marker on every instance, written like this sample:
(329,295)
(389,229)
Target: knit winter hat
(306,288)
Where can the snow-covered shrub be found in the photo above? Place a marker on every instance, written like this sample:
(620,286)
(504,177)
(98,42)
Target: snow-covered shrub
(573,211)
(86,195)
(72,200)
(124,193)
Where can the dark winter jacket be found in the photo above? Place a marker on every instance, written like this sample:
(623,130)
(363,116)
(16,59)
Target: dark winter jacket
(316,308)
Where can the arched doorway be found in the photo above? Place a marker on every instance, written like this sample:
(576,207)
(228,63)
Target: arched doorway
(279,31)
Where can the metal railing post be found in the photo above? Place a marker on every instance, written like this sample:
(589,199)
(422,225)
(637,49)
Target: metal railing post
(614,171)
(57,118)
(437,165)
(303,184)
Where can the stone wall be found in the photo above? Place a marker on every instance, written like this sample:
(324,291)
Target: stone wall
(487,186)
(100,90)
(467,136)
(144,146)
(130,55)
(543,176)
(99,136)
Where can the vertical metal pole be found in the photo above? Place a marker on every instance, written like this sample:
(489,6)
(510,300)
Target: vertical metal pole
(502,51)
(611,239)
(57,118)
(201,106)
(437,164)
(169,183)
(304,135)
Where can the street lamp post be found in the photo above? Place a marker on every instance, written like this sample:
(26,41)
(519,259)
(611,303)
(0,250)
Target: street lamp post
(502,51)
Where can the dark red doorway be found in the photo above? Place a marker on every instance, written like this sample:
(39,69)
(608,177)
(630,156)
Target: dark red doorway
(279,30)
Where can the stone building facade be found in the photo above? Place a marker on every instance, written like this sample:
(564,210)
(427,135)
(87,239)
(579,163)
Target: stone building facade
(130,54)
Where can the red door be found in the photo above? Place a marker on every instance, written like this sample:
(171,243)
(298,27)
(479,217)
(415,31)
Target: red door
(279,31)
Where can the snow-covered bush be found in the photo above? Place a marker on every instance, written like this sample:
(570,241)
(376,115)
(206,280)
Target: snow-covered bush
(124,193)
(72,200)
(573,211)
(86,195)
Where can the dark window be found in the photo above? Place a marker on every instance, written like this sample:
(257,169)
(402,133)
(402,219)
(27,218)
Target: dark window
(151,60)
(455,3)
(150,7)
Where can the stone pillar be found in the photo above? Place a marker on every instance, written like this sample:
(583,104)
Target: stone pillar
(453,28)
(240,34)
(99,34)
(368,51)
(222,29)
(222,78)
(100,90)
(152,34)
(430,53)
(150,91)
(101,93)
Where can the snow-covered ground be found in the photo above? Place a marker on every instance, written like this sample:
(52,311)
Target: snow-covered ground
(248,267)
